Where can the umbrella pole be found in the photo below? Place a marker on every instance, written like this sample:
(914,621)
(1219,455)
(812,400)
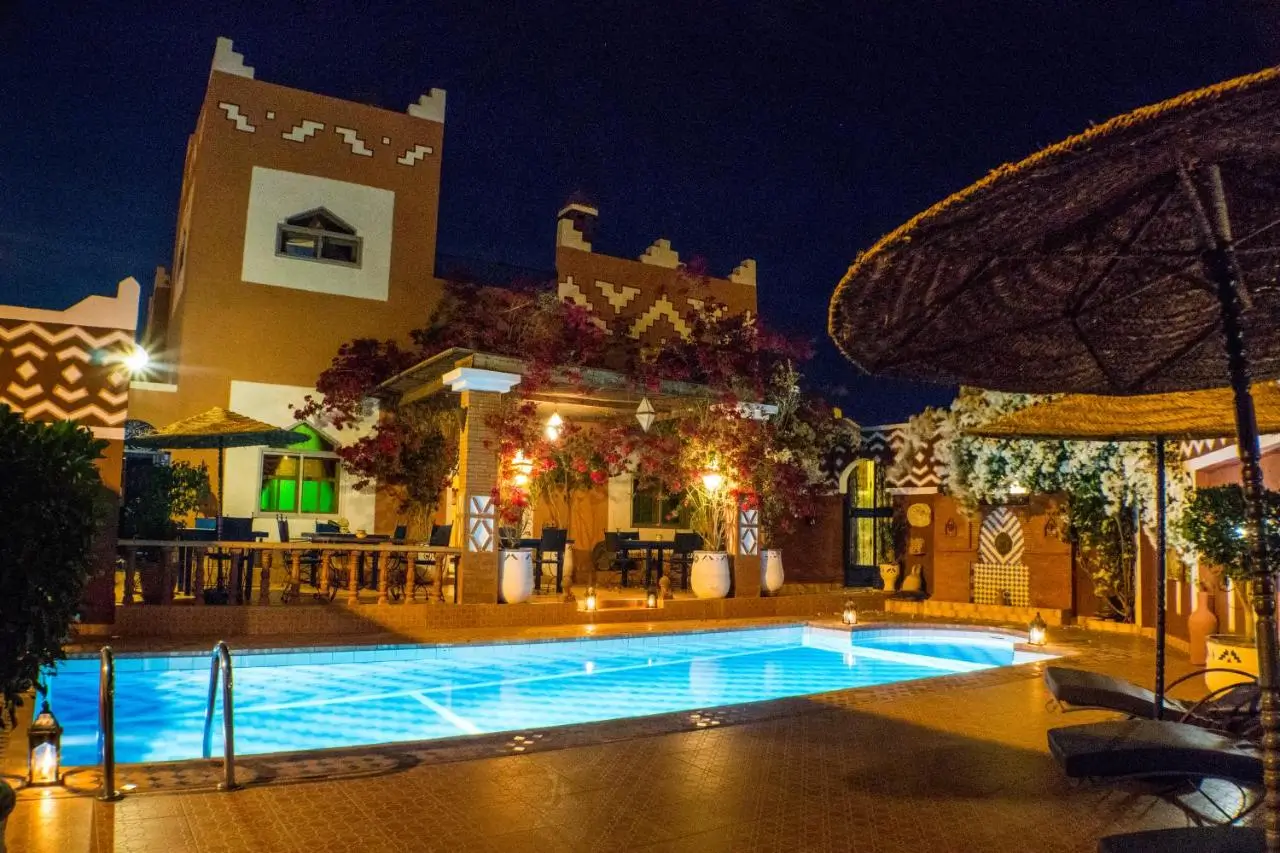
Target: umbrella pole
(221,491)
(1161,574)
(1220,261)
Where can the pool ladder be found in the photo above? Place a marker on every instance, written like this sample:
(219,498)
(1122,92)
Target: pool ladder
(220,661)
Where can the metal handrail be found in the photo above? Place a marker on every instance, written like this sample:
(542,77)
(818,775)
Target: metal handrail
(221,662)
(107,724)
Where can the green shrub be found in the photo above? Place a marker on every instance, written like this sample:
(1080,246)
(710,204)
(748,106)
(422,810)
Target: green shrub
(51,505)
(1214,524)
(155,496)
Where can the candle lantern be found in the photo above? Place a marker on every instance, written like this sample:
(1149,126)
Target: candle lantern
(44,748)
(591,598)
(850,614)
(651,601)
(1036,631)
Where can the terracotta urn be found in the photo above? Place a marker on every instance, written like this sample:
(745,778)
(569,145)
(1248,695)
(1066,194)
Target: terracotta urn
(889,576)
(771,570)
(709,577)
(515,576)
(914,581)
(1200,624)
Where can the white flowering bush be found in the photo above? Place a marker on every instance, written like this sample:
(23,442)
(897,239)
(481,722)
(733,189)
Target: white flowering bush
(1108,487)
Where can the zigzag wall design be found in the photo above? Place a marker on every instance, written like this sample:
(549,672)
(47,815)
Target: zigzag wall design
(1001,540)
(57,372)
(884,443)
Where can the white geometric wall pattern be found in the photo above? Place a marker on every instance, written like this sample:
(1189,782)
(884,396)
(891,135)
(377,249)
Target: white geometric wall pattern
(1006,584)
(481,517)
(28,349)
(748,532)
(885,443)
(1201,446)
(45,370)
(353,141)
(414,154)
(1000,541)
(23,392)
(26,370)
(618,297)
(302,132)
(699,305)
(68,395)
(569,289)
(661,307)
(234,114)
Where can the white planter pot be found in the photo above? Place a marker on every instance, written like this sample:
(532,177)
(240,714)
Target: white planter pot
(709,577)
(1230,651)
(515,576)
(771,570)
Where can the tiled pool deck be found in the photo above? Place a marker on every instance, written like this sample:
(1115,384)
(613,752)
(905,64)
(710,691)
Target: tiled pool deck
(956,763)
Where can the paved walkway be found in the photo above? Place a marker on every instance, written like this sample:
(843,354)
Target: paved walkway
(948,764)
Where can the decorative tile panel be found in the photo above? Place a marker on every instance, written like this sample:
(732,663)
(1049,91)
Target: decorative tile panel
(749,532)
(481,520)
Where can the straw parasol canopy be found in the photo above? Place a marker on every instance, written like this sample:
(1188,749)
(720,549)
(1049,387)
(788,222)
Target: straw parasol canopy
(1174,417)
(217,429)
(1080,268)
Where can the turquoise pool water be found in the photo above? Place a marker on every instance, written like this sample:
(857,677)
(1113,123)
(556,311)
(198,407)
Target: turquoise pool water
(315,699)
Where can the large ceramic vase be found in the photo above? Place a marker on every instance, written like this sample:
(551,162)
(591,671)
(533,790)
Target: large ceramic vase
(889,576)
(515,575)
(1200,625)
(914,581)
(709,576)
(771,570)
(1230,651)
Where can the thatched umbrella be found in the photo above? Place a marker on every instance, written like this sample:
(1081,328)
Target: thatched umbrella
(1156,418)
(217,429)
(1114,262)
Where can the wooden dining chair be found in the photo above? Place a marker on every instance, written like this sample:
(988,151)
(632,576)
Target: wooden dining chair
(550,552)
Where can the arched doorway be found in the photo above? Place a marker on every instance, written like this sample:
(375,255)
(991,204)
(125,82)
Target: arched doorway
(868,516)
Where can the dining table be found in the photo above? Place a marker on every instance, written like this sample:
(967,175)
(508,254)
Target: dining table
(353,539)
(653,551)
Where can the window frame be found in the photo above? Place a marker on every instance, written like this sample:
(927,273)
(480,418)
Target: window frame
(681,522)
(321,235)
(302,456)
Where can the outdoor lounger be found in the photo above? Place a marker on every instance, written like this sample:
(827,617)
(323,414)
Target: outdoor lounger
(1234,711)
(1189,839)
(1153,748)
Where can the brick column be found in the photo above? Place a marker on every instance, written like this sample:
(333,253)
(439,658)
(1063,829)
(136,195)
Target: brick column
(746,559)
(475,516)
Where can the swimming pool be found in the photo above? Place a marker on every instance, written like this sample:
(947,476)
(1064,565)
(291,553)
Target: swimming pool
(320,698)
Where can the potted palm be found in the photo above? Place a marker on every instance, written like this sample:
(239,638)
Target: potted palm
(155,498)
(710,500)
(1214,524)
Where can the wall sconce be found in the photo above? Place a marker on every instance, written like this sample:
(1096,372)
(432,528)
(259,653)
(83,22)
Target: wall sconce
(44,742)
(850,614)
(137,361)
(554,423)
(645,414)
(1036,631)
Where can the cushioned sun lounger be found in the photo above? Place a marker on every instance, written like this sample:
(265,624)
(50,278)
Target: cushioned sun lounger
(1094,690)
(1143,748)
(1192,839)
(1233,711)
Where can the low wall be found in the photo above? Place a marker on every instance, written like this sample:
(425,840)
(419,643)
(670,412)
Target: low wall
(976,612)
(176,621)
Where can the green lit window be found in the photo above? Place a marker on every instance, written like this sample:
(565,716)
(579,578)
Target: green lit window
(303,479)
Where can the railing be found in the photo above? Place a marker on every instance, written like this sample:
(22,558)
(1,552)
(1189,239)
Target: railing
(184,565)
(107,724)
(221,662)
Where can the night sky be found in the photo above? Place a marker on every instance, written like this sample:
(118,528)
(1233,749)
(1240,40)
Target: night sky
(795,134)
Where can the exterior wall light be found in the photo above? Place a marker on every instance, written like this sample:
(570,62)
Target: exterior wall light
(712,479)
(1017,489)
(1036,631)
(44,742)
(137,361)
(523,467)
(554,423)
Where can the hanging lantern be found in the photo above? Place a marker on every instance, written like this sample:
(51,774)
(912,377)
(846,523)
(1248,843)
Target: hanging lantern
(44,748)
(712,479)
(554,423)
(645,414)
(850,614)
(523,467)
(1036,631)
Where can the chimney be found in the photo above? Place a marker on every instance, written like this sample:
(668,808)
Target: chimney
(576,223)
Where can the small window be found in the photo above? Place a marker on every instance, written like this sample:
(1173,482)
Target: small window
(300,482)
(318,235)
(651,507)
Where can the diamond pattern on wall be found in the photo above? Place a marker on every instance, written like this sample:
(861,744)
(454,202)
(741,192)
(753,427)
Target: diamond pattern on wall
(617,297)
(480,523)
(749,532)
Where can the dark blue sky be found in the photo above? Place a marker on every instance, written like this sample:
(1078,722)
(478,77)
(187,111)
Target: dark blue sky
(792,133)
